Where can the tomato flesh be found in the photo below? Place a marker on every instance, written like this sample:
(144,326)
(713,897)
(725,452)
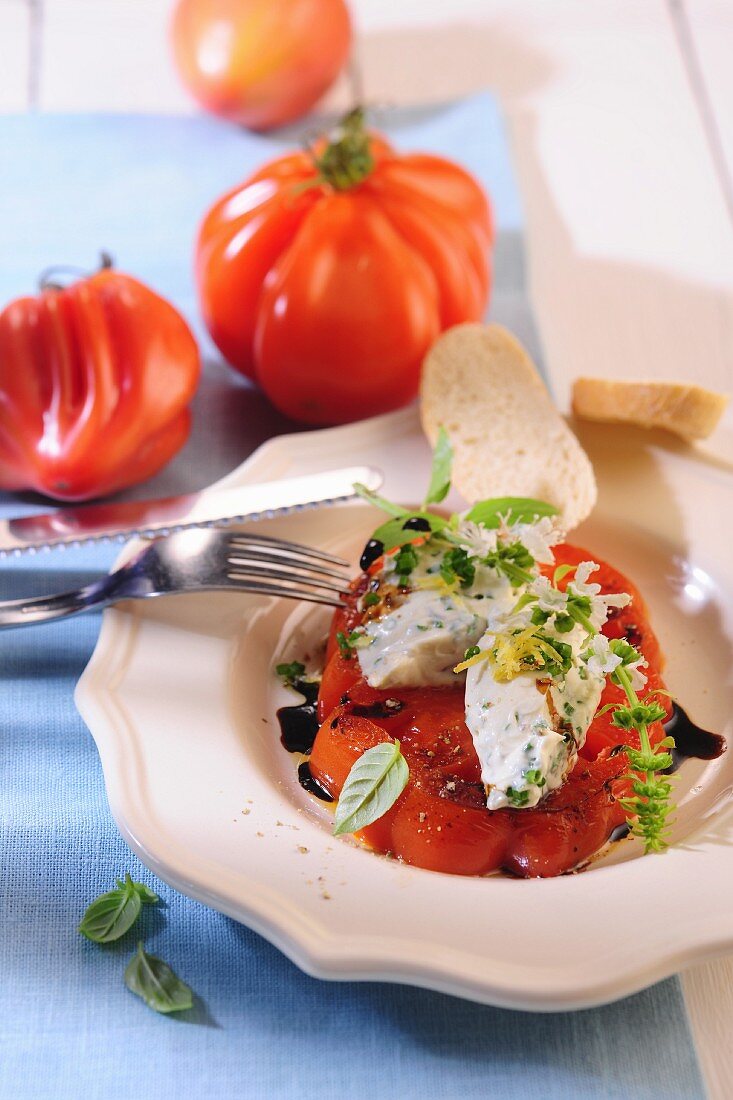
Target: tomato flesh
(440,821)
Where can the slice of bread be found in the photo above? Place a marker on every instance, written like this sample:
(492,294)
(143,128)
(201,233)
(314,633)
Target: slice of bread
(687,410)
(508,437)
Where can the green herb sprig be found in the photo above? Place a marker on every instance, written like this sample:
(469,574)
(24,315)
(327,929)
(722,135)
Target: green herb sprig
(348,643)
(405,561)
(577,610)
(440,474)
(343,641)
(291,673)
(457,564)
(648,807)
(489,513)
(514,560)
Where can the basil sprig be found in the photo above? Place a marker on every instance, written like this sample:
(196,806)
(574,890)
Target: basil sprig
(393,533)
(372,787)
(488,513)
(112,914)
(155,982)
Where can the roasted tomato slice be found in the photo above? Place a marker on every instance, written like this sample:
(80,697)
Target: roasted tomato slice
(440,821)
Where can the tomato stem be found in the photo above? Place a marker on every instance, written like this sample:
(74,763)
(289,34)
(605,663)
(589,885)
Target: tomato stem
(49,278)
(347,158)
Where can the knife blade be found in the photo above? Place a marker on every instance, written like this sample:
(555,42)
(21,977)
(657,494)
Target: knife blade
(210,507)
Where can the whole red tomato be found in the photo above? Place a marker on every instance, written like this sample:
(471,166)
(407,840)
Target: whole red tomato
(95,382)
(260,62)
(327,275)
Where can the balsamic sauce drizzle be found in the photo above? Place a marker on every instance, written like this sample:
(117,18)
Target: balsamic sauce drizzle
(373,550)
(308,783)
(299,723)
(298,729)
(416,523)
(690,739)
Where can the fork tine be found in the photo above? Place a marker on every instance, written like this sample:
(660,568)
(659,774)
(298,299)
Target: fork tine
(307,551)
(288,593)
(237,557)
(284,575)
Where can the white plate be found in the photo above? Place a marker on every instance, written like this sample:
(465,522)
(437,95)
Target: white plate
(180,698)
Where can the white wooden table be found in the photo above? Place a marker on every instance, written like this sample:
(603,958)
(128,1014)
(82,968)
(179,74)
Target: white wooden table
(621,121)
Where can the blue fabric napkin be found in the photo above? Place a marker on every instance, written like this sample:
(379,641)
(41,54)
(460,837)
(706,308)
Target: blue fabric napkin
(260,1028)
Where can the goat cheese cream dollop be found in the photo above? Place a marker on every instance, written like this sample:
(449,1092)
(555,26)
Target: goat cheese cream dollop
(469,604)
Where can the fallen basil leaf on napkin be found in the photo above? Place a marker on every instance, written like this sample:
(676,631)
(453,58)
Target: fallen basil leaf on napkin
(111,915)
(154,981)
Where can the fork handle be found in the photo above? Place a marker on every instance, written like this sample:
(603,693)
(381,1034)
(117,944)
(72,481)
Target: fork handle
(41,609)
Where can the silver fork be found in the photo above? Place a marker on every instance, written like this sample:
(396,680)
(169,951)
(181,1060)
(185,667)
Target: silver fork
(199,560)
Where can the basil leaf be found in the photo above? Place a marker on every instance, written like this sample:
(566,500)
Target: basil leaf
(393,533)
(373,785)
(112,914)
(441,472)
(147,896)
(379,502)
(154,981)
(515,509)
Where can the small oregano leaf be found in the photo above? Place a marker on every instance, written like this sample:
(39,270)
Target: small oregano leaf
(155,982)
(290,673)
(112,914)
(373,785)
(513,509)
(440,474)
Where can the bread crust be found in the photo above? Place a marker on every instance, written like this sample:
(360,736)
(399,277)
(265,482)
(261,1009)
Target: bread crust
(689,411)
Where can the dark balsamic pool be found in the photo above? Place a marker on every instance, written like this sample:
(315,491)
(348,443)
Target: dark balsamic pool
(690,739)
(299,723)
(298,729)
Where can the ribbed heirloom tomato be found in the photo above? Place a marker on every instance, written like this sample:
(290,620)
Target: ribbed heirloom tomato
(95,383)
(327,274)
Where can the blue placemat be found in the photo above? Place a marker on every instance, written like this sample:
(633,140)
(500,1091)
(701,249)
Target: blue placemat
(68,1027)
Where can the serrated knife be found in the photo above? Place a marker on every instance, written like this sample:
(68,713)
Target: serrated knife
(210,507)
